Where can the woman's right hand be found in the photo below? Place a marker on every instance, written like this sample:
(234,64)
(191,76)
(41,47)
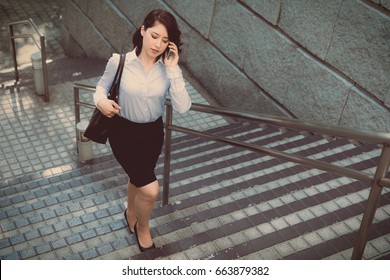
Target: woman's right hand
(108,107)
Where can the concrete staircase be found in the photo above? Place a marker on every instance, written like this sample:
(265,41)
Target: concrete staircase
(226,203)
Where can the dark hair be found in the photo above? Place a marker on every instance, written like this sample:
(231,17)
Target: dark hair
(163,17)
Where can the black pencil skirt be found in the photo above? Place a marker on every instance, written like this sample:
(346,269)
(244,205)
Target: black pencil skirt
(137,146)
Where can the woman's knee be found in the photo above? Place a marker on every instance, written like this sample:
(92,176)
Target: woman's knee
(149,192)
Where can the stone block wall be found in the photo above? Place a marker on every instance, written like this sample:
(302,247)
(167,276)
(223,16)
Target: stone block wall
(320,60)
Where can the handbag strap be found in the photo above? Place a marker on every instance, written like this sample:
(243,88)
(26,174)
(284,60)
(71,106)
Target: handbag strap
(113,93)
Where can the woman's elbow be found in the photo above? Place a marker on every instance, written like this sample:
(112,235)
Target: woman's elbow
(184,109)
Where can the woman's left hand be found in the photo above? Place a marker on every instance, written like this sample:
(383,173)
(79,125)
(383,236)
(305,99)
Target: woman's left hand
(173,59)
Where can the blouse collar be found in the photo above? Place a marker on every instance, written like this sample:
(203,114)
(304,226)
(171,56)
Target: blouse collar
(132,55)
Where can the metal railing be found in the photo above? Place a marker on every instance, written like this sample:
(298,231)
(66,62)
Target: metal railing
(41,46)
(376,181)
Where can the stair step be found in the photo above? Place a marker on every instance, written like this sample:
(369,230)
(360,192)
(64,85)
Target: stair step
(258,224)
(224,202)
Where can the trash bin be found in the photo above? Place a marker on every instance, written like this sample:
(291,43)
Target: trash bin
(84,145)
(36,60)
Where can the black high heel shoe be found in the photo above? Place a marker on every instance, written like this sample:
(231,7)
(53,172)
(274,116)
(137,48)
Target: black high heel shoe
(128,225)
(142,249)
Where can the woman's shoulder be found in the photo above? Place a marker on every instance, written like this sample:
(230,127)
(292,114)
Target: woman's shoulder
(114,59)
(116,56)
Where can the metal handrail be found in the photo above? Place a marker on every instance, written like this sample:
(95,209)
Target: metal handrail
(41,46)
(342,132)
(377,181)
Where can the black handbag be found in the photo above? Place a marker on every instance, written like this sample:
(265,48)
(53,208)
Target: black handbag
(99,125)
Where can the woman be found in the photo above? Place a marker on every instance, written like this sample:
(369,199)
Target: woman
(136,137)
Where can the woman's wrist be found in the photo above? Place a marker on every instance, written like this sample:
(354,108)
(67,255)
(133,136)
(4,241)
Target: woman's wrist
(99,101)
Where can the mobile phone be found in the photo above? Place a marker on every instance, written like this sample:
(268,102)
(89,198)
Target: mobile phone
(169,53)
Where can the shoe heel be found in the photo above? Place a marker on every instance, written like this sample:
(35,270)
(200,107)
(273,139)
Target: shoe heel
(142,249)
(128,225)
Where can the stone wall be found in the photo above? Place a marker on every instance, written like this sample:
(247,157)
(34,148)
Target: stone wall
(319,60)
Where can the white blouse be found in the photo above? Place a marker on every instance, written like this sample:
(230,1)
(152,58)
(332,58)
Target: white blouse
(142,94)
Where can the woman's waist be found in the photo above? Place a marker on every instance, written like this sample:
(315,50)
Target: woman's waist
(141,113)
(137,123)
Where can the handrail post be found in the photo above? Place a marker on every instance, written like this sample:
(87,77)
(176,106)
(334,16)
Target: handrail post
(167,153)
(76,100)
(371,205)
(44,68)
(11,34)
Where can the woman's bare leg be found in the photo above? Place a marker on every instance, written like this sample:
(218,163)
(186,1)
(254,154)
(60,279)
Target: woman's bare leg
(144,204)
(131,214)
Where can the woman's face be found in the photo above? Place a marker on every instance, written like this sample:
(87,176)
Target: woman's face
(155,40)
